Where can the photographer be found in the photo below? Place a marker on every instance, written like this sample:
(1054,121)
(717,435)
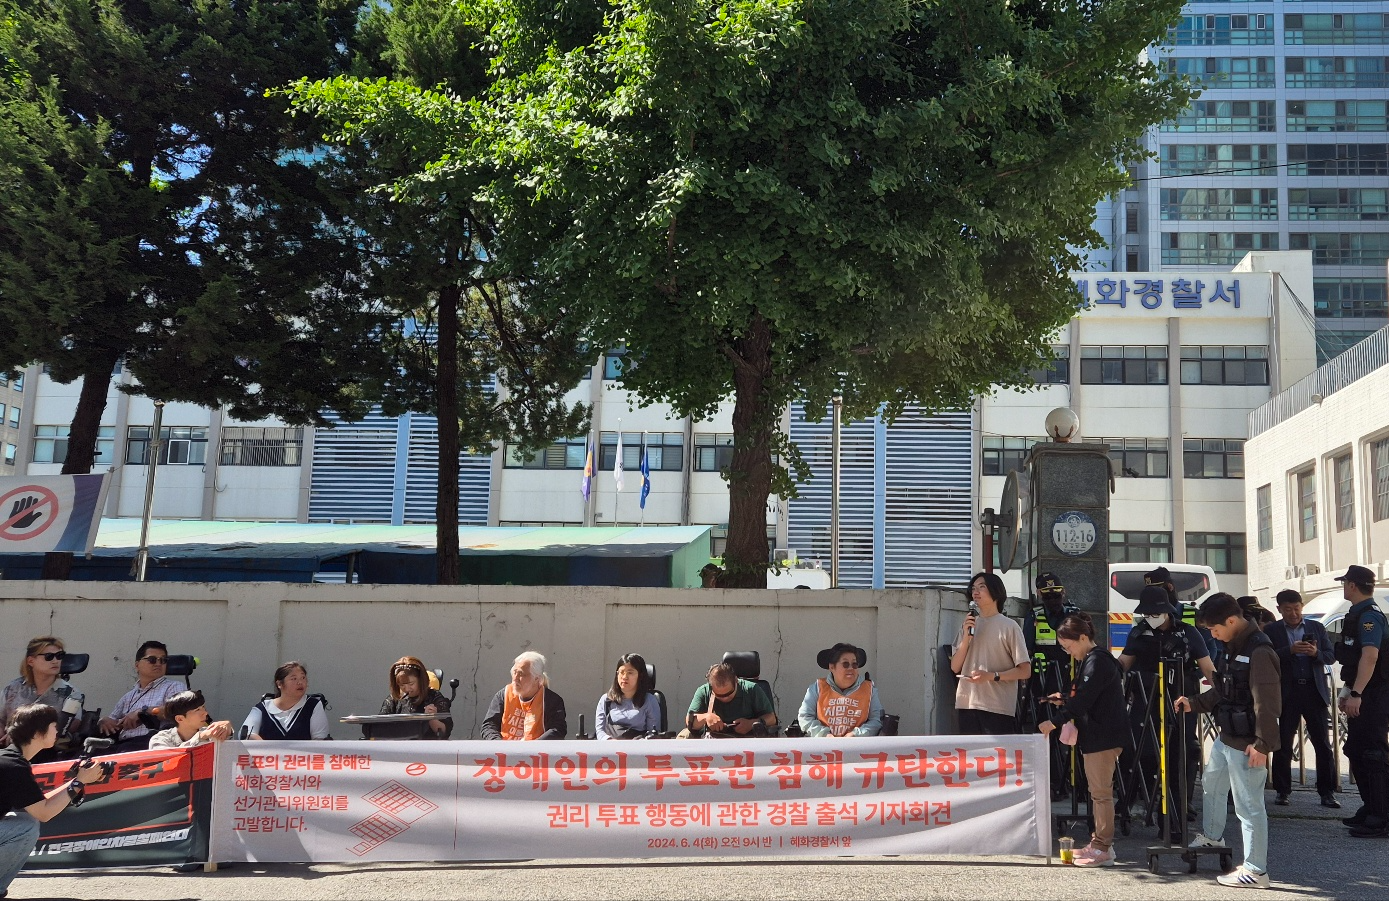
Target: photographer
(23,804)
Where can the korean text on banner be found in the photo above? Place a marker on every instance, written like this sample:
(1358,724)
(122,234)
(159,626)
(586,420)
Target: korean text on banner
(50,513)
(153,810)
(296,801)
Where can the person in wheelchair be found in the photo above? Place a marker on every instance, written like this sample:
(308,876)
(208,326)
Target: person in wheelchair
(630,709)
(38,683)
(153,687)
(410,693)
(526,709)
(728,707)
(292,714)
(846,704)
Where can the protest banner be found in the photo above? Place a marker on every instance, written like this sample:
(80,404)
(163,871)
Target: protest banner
(473,800)
(155,809)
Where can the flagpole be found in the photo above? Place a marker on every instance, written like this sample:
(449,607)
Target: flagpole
(617,468)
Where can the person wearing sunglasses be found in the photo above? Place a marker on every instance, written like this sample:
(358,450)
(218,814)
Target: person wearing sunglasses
(39,683)
(728,707)
(845,704)
(152,689)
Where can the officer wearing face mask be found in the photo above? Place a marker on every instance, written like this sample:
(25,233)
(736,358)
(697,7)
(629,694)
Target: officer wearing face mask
(1159,633)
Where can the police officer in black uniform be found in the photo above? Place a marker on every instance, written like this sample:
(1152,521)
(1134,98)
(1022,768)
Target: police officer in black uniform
(1051,665)
(1365,701)
(1158,633)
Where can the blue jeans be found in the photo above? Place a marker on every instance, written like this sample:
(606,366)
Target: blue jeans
(1228,770)
(19,832)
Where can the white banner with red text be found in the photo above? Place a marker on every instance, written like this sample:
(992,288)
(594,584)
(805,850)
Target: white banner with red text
(476,800)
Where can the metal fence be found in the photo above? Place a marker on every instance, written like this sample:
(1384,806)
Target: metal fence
(1356,363)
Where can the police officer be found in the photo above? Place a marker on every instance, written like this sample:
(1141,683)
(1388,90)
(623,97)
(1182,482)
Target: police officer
(1161,635)
(1365,701)
(1051,665)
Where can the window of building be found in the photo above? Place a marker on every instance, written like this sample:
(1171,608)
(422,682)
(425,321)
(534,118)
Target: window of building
(1213,458)
(1223,552)
(1350,298)
(1336,115)
(1219,159)
(1140,547)
(665,451)
(1218,31)
(1230,364)
(11,451)
(713,452)
(615,362)
(1131,218)
(1213,248)
(14,379)
(51,444)
(1343,248)
(14,417)
(254,446)
(1307,504)
(1338,159)
(1335,28)
(569,453)
(179,445)
(1204,116)
(2,412)
(1223,72)
(1263,506)
(1336,72)
(1344,473)
(1132,261)
(1379,459)
(1138,458)
(1236,204)
(1056,371)
(1000,454)
(1123,365)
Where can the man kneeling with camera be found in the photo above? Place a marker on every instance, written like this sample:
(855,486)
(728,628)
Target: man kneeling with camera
(23,804)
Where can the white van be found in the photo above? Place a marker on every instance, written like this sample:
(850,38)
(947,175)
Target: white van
(1191,581)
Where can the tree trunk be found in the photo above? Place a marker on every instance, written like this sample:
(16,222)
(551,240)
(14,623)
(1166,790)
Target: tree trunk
(446,387)
(750,473)
(86,419)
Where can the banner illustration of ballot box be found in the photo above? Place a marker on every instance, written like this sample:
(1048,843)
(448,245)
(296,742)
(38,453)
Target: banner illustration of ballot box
(475,800)
(154,809)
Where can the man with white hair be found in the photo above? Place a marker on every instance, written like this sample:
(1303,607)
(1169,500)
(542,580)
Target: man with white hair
(526,709)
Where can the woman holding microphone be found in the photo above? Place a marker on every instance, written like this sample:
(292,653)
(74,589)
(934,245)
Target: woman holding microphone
(1096,704)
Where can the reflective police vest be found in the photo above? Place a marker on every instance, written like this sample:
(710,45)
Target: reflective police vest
(1235,712)
(1043,635)
(1188,613)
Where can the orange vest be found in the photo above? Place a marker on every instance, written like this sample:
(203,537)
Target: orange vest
(523,720)
(835,709)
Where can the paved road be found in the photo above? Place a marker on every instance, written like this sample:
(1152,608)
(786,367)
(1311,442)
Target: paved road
(1310,857)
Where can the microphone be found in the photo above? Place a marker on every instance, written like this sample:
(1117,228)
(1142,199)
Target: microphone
(974,612)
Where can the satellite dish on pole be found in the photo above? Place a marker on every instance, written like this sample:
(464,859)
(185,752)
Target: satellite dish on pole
(1008,520)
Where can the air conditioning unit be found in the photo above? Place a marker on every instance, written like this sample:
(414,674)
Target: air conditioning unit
(1313,569)
(1292,572)
(784,556)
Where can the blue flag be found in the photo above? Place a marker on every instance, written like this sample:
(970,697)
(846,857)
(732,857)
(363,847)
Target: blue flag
(645,477)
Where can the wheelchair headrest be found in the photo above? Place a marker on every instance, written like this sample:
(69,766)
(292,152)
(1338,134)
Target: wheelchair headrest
(180,665)
(651,675)
(746,664)
(74,663)
(436,679)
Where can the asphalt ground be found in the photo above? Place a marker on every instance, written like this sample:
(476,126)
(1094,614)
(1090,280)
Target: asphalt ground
(1310,856)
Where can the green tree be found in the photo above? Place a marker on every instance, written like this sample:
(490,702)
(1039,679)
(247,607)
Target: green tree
(157,207)
(792,199)
(465,344)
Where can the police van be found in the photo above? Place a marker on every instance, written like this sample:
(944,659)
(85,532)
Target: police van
(1192,582)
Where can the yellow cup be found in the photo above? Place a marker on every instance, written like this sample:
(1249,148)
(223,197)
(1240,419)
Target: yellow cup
(1068,853)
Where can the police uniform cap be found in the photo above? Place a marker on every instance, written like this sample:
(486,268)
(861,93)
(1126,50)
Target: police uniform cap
(1049,582)
(1159,576)
(1153,601)
(1358,575)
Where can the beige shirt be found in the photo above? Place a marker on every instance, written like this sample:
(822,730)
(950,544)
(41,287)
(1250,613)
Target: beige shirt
(997,646)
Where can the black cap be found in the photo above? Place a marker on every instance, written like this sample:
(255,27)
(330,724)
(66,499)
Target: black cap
(1159,576)
(183,702)
(1247,601)
(1358,575)
(1049,582)
(1153,601)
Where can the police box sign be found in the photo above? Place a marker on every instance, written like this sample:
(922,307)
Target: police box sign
(1204,294)
(1073,533)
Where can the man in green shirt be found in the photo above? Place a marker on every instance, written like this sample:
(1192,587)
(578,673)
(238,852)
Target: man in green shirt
(727,706)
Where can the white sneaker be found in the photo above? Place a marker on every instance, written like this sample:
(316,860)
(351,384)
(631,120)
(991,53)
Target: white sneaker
(1096,858)
(1203,841)
(1239,877)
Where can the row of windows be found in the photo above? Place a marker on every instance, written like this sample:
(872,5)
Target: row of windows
(1256,29)
(1209,364)
(182,445)
(1348,298)
(1241,72)
(1340,491)
(1135,458)
(1246,160)
(1343,249)
(15,380)
(1227,248)
(1301,116)
(1223,552)
(712,452)
(1248,204)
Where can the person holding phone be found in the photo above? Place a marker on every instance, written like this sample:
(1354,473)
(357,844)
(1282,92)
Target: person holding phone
(1304,652)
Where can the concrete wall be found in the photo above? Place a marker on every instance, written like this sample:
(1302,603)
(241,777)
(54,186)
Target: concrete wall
(348,636)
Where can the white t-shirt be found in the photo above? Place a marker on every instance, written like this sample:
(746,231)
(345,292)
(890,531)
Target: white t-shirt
(997,646)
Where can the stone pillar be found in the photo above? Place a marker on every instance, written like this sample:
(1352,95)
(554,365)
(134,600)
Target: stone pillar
(1069,517)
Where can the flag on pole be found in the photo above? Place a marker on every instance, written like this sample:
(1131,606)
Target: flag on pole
(588,472)
(645,477)
(617,467)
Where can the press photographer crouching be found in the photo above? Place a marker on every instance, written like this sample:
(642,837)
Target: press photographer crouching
(23,804)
